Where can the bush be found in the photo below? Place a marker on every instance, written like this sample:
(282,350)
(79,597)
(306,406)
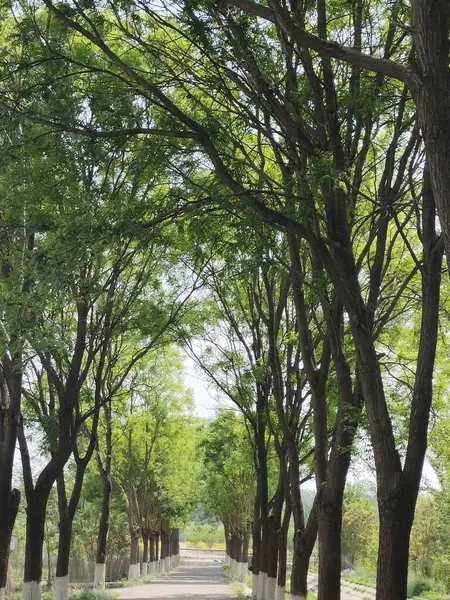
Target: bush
(90,594)
(417,585)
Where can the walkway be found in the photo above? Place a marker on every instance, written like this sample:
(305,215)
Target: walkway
(203,579)
(199,579)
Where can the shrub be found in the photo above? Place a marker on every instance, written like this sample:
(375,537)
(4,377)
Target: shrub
(417,585)
(90,594)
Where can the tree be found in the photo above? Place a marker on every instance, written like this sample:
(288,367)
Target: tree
(320,149)
(359,527)
(229,484)
(154,460)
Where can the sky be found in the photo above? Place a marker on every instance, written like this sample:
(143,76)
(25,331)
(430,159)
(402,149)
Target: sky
(205,399)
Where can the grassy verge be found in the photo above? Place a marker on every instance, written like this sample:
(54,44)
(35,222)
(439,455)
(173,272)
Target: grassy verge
(238,588)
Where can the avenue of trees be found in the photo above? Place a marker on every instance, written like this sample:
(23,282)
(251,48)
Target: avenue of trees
(264,187)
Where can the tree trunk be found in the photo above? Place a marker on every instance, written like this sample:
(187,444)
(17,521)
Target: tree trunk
(102,538)
(62,563)
(151,548)
(10,400)
(393,550)
(432,95)
(9,506)
(272,562)
(263,549)
(49,559)
(300,565)
(329,536)
(236,553)
(169,550)
(176,546)
(163,554)
(34,543)
(244,559)
(282,552)
(134,571)
(226,531)
(332,492)
(145,540)
(256,543)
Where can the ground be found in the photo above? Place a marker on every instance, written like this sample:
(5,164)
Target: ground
(193,578)
(199,577)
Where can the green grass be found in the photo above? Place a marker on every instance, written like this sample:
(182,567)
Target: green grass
(239,590)
(88,594)
(366,577)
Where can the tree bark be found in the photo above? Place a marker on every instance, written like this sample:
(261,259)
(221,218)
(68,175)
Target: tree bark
(103,528)
(34,542)
(134,549)
(10,400)
(263,486)
(9,506)
(134,571)
(300,566)
(145,540)
(152,552)
(157,546)
(104,469)
(226,530)
(272,562)
(430,27)
(256,540)
(62,563)
(282,551)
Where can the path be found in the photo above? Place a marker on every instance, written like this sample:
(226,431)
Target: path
(203,579)
(199,579)
(349,591)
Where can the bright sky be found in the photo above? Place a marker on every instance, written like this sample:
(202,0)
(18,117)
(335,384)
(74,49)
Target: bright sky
(205,401)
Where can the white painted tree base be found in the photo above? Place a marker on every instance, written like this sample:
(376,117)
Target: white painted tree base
(243,570)
(254,585)
(99,576)
(262,585)
(144,570)
(271,588)
(31,590)
(62,588)
(281,593)
(133,572)
(235,567)
(2,593)
(297,597)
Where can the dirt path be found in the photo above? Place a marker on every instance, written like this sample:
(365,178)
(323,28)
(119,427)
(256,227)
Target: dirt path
(202,579)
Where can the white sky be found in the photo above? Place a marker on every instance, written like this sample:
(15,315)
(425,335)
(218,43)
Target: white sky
(207,401)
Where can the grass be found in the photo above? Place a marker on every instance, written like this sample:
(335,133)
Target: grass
(419,587)
(75,594)
(88,594)
(362,577)
(239,590)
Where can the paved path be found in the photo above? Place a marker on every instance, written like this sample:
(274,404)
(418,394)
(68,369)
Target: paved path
(349,591)
(199,579)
